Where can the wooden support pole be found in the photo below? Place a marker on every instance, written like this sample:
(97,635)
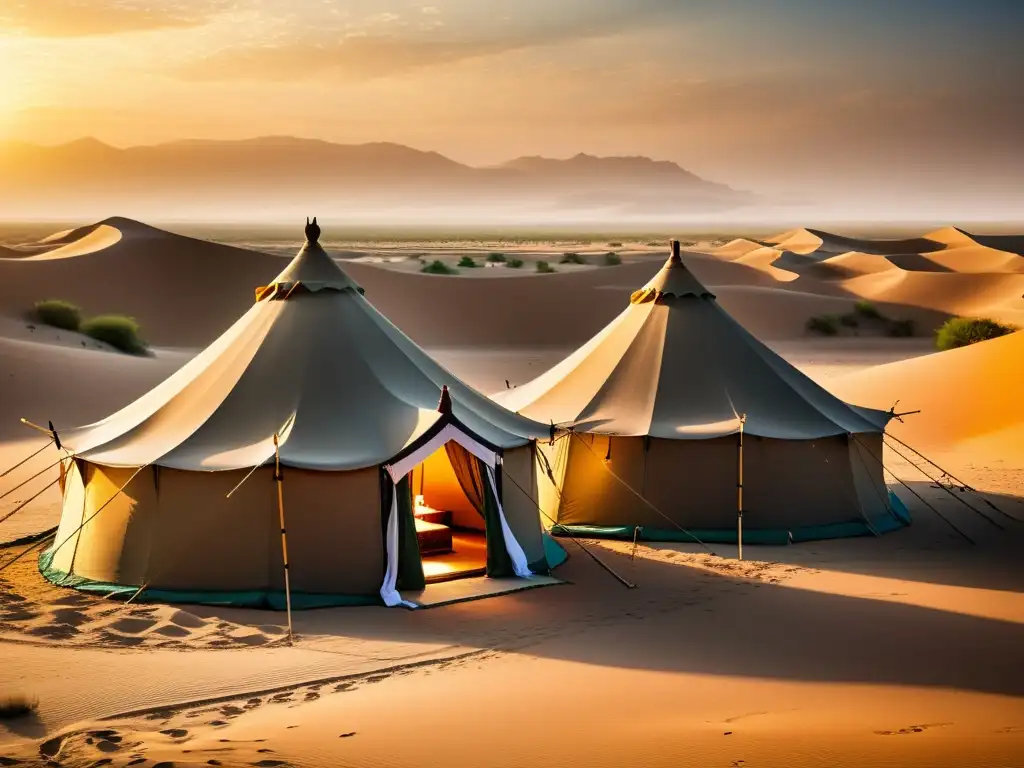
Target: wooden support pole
(279,479)
(739,490)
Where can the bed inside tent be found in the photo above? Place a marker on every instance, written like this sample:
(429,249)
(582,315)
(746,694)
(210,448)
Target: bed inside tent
(450,526)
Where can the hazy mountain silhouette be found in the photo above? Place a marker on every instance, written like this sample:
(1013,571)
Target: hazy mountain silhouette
(271,172)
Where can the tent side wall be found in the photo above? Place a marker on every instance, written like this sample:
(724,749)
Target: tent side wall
(804,489)
(177,533)
(518,494)
(553,458)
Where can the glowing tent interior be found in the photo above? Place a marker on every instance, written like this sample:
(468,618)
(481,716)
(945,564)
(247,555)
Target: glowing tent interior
(657,405)
(177,494)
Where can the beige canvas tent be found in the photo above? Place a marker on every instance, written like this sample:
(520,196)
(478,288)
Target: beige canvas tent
(177,492)
(655,402)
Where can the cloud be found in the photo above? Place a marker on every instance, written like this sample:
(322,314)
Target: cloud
(368,52)
(86,18)
(357,57)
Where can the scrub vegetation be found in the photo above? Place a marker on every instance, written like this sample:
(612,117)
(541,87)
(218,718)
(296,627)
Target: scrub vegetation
(964,331)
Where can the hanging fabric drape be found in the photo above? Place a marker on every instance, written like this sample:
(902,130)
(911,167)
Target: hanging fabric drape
(404,568)
(468,473)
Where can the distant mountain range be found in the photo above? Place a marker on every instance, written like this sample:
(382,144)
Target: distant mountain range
(280,173)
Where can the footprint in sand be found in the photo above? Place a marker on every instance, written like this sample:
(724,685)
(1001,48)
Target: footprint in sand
(164,764)
(56,631)
(912,729)
(175,733)
(51,747)
(348,735)
(269,763)
(70,616)
(253,702)
(101,761)
(217,723)
(73,600)
(187,620)
(231,711)
(131,625)
(108,746)
(312,696)
(136,761)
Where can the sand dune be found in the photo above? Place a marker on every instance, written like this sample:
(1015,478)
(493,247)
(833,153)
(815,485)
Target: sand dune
(968,395)
(998,296)
(183,291)
(736,248)
(98,238)
(808,241)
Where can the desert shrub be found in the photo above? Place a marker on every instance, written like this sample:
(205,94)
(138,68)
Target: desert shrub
(514,263)
(614,245)
(58,313)
(963,331)
(901,329)
(612,259)
(438,267)
(118,331)
(867,309)
(14,705)
(826,325)
(496,258)
(467,262)
(572,258)
(849,320)
(544,268)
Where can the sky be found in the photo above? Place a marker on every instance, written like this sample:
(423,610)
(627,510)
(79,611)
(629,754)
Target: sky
(788,97)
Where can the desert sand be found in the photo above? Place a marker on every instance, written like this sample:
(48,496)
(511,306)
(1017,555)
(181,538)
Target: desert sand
(898,651)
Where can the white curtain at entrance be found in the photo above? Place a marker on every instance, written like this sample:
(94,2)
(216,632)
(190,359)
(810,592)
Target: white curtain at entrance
(388,591)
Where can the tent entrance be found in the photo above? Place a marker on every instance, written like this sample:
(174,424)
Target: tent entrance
(450,530)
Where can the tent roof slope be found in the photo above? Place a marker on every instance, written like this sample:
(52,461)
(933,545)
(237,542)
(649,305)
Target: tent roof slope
(317,365)
(675,365)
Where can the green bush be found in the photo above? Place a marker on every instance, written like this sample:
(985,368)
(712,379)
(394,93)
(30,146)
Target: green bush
(612,259)
(496,258)
(572,258)
(544,268)
(826,325)
(867,309)
(118,331)
(438,267)
(58,313)
(963,331)
(514,263)
(901,329)
(467,262)
(17,705)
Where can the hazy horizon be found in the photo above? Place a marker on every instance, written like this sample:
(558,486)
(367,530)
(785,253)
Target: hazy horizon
(829,111)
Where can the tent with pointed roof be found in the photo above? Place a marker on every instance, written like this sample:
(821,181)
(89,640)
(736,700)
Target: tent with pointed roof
(655,404)
(354,406)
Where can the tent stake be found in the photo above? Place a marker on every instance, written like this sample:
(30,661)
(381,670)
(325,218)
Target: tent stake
(739,490)
(279,479)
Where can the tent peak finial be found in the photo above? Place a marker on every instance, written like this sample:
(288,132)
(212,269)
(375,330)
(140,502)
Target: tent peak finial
(675,258)
(445,404)
(312,230)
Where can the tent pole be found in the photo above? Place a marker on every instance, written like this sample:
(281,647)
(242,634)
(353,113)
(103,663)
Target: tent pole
(739,490)
(279,479)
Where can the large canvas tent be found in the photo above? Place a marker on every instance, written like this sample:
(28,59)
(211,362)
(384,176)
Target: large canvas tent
(656,405)
(177,493)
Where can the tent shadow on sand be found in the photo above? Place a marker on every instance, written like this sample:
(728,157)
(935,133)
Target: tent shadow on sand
(682,620)
(993,562)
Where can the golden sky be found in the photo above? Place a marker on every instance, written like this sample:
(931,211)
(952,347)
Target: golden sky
(763,94)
